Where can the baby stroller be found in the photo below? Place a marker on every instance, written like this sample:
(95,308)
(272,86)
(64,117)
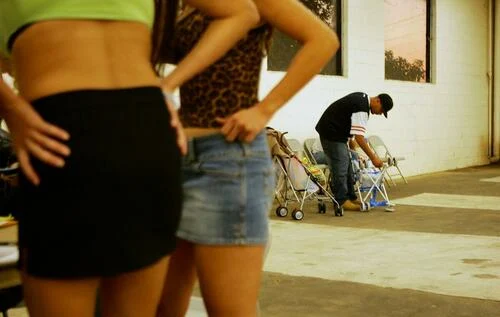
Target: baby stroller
(297,179)
(369,183)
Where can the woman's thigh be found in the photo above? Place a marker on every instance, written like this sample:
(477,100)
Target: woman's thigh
(43,296)
(230,278)
(131,294)
(135,293)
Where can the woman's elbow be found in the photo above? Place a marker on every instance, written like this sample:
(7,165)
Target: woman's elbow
(331,42)
(325,43)
(249,14)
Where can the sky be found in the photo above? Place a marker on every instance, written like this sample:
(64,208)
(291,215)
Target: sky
(405,26)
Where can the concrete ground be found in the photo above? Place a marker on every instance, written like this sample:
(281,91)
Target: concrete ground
(436,255)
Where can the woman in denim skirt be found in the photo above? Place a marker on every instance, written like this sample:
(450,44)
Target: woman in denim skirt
(228,178)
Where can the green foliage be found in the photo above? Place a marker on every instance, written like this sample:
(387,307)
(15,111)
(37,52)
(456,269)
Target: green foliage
(283,48)
(325,9)
(399,68)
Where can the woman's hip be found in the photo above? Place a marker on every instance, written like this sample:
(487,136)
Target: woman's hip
(228,189)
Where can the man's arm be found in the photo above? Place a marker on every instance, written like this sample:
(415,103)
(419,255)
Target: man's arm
(359,121)
(360,139)
(352,144)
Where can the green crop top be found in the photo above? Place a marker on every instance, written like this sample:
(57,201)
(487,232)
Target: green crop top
(17,14)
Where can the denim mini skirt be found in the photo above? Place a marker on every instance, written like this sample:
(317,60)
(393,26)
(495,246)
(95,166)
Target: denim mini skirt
(228,189)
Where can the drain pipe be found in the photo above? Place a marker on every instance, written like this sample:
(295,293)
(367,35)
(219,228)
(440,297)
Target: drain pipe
(493,109)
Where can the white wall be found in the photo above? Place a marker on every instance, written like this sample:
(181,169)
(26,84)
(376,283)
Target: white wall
(496,84)
(436,126)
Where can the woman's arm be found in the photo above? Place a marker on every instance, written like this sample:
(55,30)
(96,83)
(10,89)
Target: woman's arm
(319,44)
(232,20)
(31,135)
(7,96)
(5,66)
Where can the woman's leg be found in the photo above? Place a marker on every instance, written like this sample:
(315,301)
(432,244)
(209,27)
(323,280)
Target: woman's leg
(267,248)
(179,283)
(59,298)
(230,278)
(134,293)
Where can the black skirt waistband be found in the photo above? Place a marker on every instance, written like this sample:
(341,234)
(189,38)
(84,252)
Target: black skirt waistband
(86,97)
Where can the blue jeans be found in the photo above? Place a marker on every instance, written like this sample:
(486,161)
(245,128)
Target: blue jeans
(320,157)
(228,191)
(339,161)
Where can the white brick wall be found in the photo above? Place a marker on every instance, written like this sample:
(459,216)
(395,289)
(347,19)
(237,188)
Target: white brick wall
(437,126)
(497,78)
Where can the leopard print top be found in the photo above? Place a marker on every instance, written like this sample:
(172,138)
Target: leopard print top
(225,87)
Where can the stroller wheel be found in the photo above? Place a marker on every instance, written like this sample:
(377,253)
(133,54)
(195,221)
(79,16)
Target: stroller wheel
(321,208)
(339,211)
(281,211)
(297,214)
(365,207)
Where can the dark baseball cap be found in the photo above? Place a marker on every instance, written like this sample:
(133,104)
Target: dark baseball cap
(386,102)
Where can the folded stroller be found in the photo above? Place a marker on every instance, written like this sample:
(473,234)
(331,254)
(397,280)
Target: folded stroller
(297,179)
(369,183)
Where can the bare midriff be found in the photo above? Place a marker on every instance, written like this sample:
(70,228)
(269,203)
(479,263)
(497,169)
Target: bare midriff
(199,132)
(66,55)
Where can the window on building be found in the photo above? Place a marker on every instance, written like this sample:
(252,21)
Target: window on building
(283,48)
(407,40)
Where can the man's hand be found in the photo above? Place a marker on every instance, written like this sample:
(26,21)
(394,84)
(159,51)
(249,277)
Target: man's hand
(360,139)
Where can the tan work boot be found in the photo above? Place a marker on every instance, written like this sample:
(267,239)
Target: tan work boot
(357,201)
(349,205)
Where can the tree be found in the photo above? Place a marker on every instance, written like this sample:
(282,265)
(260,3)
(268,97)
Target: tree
(399,68)
(283,48)
(324,9)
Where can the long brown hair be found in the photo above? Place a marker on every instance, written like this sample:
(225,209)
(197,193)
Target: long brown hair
(163,31)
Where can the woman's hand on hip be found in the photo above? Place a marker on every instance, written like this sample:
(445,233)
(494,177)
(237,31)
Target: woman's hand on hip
(175,122)
(244,125)
(33,136)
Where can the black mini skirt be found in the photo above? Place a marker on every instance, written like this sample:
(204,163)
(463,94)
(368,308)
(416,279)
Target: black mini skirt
(115,206)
